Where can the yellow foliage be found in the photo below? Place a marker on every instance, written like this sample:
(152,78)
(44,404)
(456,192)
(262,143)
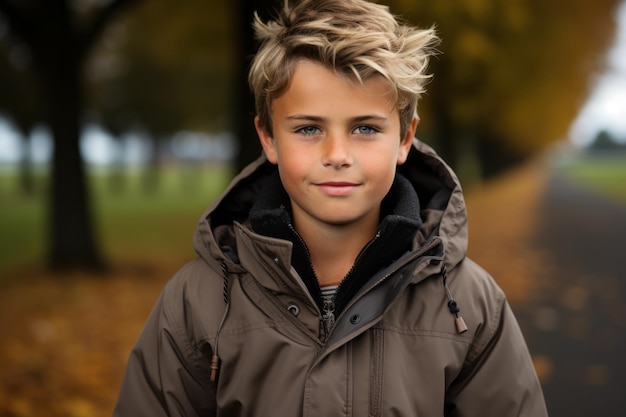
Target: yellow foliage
(479,10)
(513,71)
(473,44)
(516,14)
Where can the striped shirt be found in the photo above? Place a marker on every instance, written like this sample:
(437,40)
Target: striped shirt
(328,293)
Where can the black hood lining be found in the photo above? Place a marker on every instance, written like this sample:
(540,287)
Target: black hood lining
(238,202)
(430,178)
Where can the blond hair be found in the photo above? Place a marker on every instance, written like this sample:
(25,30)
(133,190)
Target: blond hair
(356,38)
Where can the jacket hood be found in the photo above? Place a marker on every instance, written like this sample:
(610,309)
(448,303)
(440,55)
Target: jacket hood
(440,199)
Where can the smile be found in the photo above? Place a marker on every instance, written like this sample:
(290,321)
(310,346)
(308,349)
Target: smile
(337,188)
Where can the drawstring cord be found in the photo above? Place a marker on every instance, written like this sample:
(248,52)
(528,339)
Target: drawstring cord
(461,327)
(215,359)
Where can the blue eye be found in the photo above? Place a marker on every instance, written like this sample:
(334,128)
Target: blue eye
(309,130)
(365,130)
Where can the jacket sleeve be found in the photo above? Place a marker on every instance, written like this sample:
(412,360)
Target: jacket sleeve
(499,378)
(165,375)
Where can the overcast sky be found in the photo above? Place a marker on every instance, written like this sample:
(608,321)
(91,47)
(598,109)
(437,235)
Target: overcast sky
(606,108)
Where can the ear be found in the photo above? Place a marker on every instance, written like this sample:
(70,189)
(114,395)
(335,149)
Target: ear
(267,142)
(407,141)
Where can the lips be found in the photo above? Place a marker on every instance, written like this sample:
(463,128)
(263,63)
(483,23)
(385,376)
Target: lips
(337,188)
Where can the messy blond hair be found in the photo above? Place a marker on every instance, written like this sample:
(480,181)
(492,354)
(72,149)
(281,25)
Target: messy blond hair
(356,38)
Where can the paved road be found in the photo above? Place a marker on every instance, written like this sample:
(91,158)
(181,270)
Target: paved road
(577,325)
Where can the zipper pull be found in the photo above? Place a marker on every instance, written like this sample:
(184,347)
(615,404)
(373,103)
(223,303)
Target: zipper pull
(329,316)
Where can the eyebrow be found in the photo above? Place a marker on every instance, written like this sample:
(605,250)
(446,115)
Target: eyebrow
(357,119)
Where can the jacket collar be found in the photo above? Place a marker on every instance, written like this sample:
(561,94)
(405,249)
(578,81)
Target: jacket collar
(271,216)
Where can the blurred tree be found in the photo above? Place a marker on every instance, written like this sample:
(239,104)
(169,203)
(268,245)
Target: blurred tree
(17,101)
(58,36)
(164,69)
(182,66)
(246,45)
(512,73)
(605,141)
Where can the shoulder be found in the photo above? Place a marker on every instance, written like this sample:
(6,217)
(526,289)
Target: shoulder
(483,304)
(478,294)
(194,276)
(473,282)
(193,299)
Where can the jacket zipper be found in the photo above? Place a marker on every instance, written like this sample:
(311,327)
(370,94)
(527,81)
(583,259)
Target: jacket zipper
(328,317)
(328,314)
(352,302)
(328,311)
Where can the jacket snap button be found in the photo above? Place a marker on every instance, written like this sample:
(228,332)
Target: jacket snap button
(293,309)
(355,319)
(277,261)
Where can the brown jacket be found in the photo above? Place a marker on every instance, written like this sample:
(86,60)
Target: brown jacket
(393,351)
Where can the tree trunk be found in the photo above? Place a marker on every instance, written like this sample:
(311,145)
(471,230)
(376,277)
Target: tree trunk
(71,241)
(249,147)
(445,130)
(59,42)
(496,157)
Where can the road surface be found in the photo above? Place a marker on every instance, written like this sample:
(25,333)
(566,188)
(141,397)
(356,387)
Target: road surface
(576,325)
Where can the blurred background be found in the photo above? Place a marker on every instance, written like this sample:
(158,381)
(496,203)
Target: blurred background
(121,120)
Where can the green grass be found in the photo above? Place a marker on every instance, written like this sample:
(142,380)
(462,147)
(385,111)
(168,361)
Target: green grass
(131,220)
(605,173)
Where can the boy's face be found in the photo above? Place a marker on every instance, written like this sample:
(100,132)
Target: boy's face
(337,143)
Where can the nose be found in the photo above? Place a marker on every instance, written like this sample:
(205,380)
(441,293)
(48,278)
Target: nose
(336,151)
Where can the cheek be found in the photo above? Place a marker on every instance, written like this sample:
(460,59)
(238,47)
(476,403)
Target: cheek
(382,158)
(292,165)
(380,168)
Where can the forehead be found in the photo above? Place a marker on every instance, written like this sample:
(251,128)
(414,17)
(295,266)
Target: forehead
(315,87)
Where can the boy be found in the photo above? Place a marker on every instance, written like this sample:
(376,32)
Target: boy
(326,271)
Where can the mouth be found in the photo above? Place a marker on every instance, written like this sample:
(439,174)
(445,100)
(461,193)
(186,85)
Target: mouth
(337,188)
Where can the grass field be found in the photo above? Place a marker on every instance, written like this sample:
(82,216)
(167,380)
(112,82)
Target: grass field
(132,220)
(605,173)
